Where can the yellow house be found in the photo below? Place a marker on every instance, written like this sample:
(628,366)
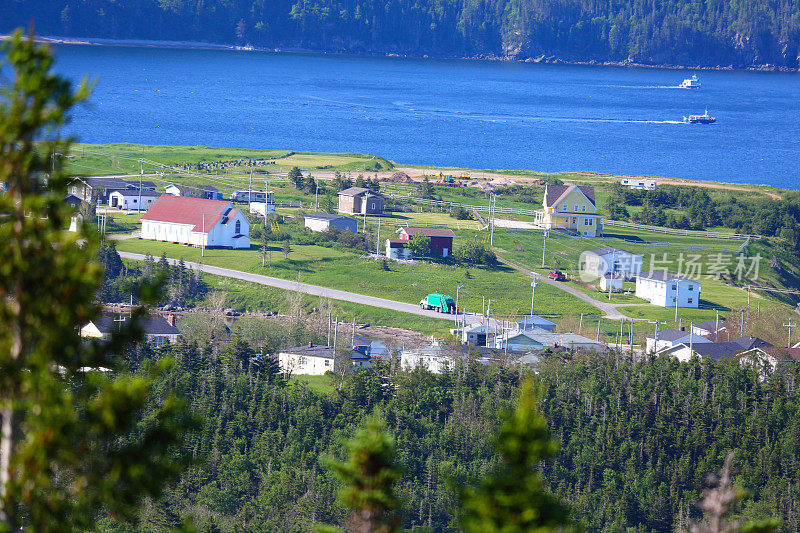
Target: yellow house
(570,208)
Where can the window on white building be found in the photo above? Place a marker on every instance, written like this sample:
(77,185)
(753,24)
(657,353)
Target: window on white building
(583,209)
(74,190)
(674,287)
(689,300)
(691,288)
(303,360)
(238,228)
(576,208)
(566,207)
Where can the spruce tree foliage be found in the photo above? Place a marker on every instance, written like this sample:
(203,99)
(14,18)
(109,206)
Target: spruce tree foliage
(73,442)
(296,177)
(513,498)
(420,246)
(369,475)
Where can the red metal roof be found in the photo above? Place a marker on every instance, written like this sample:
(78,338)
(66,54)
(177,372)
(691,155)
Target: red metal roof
(185,210)
(430,232)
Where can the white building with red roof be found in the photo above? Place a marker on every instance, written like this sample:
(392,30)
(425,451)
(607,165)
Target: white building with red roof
(196,222)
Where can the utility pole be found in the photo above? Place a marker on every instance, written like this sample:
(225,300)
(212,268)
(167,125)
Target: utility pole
(611,273)
(580,324)
(378,238)
(494,205)
(141,173)
(204,237)
(789,326)
(742,326)
(677,292)
(748,300)
(691,339)
(544,246)
(329,327)
(533,292)
(458,288)
(716,326)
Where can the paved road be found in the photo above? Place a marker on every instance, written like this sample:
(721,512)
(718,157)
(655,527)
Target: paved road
(306,288)
(608,309)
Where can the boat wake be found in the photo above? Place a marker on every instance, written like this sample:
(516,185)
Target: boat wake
(483,117)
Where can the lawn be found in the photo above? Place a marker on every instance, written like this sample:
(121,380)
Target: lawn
(323,385)
(508,290)
(247,296)
(123,158)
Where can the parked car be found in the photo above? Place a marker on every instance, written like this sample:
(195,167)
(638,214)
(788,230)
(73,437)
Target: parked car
(557,275)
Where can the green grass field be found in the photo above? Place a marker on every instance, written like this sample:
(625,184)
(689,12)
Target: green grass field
(508,289)
(123,158)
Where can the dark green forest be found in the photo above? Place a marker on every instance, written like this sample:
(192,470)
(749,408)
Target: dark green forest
(739,33)
(637,439)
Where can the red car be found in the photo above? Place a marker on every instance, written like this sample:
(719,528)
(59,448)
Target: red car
(557,275)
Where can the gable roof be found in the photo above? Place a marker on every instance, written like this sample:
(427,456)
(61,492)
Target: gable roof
(672,335)
(430,232)
(660,275)
(716,350)
(135,192)
(605,250)
(327,216)
(152,325)
(190,211)
(709,325)
(535,321)
(749,342)
(326,352)
(106,183)
(357,191)
(554,193)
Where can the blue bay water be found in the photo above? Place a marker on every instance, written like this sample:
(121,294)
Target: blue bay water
(476,114)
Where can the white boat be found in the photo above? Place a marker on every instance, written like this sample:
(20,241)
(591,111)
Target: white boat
(690,83)
(700,119)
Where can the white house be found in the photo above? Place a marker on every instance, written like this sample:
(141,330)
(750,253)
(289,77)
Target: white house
(315,360)
(638,183)
(602,261)
(668,290)
(748,351)
(434,359)
(158,330)
(328,221)
(131,198)
(197,222)
(668,338)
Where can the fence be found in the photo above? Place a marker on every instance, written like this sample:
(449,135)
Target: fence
(684,232)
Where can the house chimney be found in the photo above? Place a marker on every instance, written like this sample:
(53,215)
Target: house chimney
(310,344)
(171,319)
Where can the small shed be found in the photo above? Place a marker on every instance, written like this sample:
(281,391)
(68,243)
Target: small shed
(131,198)
(397,249)
(441,239)
(328,221)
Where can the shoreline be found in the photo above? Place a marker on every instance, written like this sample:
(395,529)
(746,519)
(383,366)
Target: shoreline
(551,60)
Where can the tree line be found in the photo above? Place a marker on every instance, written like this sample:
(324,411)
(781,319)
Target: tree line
(728,32)
(633,442)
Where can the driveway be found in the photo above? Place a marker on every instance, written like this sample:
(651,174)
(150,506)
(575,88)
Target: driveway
(608,309)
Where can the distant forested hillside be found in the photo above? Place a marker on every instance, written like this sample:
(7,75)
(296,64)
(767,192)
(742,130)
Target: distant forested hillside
(680,32)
